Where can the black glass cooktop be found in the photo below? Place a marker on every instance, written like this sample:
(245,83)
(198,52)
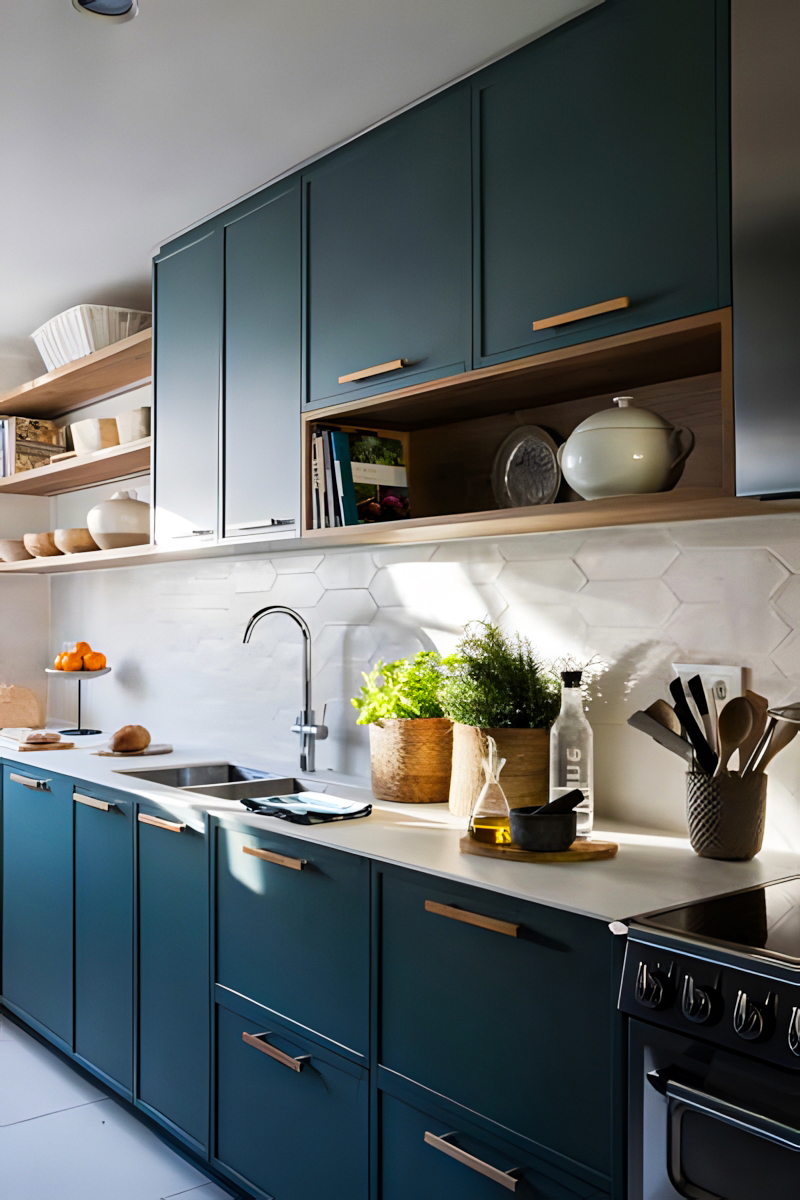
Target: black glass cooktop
(765,920)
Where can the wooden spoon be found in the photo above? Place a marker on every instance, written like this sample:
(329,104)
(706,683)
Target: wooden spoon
(735,723)
(665,714)
(759,706)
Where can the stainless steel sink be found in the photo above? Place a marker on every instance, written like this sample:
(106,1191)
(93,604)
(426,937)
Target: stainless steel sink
(251,789)
(223,781)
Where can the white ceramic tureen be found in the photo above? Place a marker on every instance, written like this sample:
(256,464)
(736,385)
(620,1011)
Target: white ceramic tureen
(121,521)
(624,451)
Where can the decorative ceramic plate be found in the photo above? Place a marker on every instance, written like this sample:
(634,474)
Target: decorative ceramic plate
(526,469)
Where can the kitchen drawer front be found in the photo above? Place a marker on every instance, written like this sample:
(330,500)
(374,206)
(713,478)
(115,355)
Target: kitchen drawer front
(292,931)
(174,1005)
(291,1134)
(104,933)
(37,897)
(388,262)
(512,1027)
(424,1153)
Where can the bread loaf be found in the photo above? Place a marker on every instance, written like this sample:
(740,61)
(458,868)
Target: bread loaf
(129,739)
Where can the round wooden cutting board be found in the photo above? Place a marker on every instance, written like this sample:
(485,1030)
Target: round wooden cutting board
(582,850)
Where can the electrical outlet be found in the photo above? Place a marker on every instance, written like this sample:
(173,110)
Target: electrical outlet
(721,682)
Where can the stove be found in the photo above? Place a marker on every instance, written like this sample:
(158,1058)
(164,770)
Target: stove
(713,993)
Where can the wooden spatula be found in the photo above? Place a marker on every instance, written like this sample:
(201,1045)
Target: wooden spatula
(759,706)
(665,714)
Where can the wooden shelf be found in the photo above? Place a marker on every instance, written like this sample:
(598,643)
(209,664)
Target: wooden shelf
(664,508)
(112,369)
(117,462)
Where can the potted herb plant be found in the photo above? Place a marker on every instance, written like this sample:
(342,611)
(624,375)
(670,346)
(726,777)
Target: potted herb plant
(499,687)
(410,738)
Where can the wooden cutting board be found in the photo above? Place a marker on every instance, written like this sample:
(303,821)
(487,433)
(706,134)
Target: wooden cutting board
(29,747)
(582,850)
(153,748)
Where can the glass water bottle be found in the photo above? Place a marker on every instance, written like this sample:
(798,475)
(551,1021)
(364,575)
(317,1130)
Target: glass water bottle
(490,818)
(571,764)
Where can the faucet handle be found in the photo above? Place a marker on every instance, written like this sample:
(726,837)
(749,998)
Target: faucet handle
(305,724)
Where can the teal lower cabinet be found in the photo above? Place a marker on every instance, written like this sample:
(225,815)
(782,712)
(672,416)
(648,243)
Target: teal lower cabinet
(104,934)
(430,1154)
(291,1116)
(37,900)
(174,987)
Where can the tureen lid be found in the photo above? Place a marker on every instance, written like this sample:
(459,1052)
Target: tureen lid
(624,416)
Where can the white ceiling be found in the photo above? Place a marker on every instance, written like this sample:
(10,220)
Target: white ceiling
(115,136)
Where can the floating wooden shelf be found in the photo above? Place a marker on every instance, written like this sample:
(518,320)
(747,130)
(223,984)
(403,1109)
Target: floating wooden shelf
(117,462)
(78,383)
(664,508)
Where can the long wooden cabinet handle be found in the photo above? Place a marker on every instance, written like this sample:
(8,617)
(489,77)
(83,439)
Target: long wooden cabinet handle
(281,860)
(471,918)
(380,369)
(256,1040)
(79,798)
(506,1179)
(580,314)
(173,826)
(36,785)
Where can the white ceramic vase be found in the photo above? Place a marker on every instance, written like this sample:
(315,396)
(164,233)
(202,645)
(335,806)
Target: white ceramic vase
(624,451)
(121,521)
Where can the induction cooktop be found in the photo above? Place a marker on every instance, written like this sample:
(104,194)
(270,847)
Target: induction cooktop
(763,920)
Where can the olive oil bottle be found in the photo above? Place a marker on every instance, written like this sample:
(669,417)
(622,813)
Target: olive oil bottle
(489,821)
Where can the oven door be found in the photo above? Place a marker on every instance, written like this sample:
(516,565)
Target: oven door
(709,1125)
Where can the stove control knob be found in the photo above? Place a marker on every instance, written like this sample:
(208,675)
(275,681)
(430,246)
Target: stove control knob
(748,1018)
(794,1032)
(696,1003)
(651,985)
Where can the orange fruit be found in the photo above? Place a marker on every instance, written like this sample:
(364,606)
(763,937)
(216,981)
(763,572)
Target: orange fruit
(82,648)
(58,664)
(94,661)
(71,662)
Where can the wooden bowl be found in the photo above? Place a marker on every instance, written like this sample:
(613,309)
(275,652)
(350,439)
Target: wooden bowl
(13,551)
(93,434)
(41,545)
(74,541)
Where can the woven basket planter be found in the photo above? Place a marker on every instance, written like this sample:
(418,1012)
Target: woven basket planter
(726,815)
(525,778)
(411,759)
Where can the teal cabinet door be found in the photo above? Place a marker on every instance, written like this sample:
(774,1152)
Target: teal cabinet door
(37,898)
(388,270)
(291,1117)
(262,364)
(104,933)
(188,298)
(603,168)
(174,1004)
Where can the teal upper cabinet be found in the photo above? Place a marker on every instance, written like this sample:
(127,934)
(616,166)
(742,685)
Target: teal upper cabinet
(388,270)
(37,898)
(188,298)
(262,364)
(602,160)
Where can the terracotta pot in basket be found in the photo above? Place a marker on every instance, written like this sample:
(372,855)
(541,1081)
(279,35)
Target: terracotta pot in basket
(525,778)
(411,759)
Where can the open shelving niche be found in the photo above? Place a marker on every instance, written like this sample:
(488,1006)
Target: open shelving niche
(453,427)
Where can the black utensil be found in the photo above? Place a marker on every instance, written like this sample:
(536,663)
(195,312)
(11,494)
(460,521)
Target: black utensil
(562,804)
(701,700)
(706,758)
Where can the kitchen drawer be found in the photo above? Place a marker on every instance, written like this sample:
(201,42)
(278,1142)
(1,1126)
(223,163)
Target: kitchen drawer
(292,931)
(37,898)
(294,1134)
(516,1028)
(104,933)
(427,1156)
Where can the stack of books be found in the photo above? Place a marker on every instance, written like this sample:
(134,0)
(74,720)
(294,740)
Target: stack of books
(28,442)
(357,478)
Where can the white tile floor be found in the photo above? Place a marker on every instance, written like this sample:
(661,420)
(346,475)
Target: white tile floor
(61,1138)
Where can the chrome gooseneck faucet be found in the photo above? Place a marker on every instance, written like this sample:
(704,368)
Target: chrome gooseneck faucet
(304,725)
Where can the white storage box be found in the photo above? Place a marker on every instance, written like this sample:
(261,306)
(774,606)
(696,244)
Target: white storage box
(85,328)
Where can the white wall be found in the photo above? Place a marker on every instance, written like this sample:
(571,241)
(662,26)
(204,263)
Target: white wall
(640,598)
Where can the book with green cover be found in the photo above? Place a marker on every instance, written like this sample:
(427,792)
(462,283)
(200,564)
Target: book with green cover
(380,481)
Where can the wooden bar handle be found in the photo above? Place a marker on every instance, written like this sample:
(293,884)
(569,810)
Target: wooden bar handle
(580,314)
(281,860)
(172,826)
(79,798)
(380,369)
(471,918)
(36,785)
(256,1041)
(506,1179)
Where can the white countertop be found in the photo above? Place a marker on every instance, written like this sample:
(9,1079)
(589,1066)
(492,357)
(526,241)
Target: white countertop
(651,871)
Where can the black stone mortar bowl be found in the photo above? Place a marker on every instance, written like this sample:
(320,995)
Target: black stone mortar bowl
(532,829)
